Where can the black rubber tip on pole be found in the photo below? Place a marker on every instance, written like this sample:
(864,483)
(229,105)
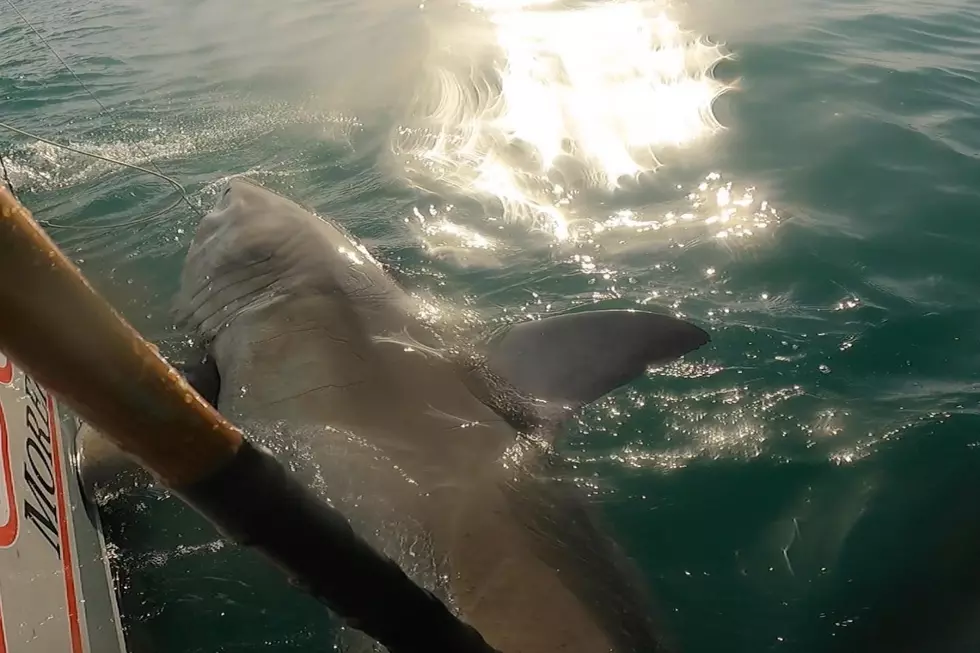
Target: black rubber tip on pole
(255,501)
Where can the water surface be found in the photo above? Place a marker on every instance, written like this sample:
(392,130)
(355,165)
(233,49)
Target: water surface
(799,178)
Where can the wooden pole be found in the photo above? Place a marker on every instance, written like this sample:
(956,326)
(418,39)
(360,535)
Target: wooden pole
(59,329)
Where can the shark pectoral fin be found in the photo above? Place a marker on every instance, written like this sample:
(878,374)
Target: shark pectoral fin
(574,359)
(203,376)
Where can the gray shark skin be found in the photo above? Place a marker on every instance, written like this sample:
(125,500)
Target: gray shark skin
(305,336)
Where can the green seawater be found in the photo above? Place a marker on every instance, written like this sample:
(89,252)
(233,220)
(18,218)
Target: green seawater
(809,482)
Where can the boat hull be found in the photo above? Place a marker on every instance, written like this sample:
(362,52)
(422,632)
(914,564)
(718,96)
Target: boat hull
(56,588)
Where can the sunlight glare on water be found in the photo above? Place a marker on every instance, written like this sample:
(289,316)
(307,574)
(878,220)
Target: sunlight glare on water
(576,98)
(773,486)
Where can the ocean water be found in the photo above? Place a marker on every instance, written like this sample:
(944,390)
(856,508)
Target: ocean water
(802,179)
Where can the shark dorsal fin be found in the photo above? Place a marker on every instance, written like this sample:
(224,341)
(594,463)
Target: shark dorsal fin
(576,358)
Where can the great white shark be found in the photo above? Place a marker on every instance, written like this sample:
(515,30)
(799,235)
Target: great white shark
(303,332)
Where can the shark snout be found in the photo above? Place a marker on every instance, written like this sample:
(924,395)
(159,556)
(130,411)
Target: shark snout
(241,190)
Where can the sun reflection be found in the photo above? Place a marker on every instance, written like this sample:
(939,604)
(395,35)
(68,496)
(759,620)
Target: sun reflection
(727,421)
(554,100)
(447,239)
(714,208)
(444,227)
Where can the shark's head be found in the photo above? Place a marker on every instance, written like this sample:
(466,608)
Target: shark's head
(255,246)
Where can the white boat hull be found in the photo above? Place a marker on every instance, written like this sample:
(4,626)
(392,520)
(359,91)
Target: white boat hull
(56,589)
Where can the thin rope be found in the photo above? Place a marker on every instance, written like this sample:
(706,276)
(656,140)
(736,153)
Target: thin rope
(6,176)
(158,172)
(170,180)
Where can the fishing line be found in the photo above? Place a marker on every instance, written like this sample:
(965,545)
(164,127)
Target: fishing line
(170,180)
(6,176)
(156,172)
